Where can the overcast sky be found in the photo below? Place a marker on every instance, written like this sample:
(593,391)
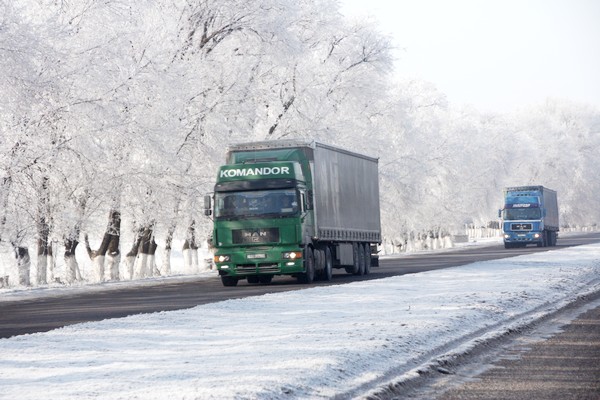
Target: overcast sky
(495,55)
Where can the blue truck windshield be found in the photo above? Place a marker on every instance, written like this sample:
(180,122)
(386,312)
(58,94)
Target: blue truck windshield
(256,203)
(513,214)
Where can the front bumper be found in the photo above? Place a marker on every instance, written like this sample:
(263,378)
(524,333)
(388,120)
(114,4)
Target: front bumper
(523,237)
(259,261)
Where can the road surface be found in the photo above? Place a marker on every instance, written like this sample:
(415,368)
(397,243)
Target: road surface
(44,314)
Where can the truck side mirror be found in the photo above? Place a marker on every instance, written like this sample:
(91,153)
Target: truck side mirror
(499,213)
(309,200)
(544,212)
(207,205)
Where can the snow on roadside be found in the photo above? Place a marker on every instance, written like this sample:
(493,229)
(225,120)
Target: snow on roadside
(313,343)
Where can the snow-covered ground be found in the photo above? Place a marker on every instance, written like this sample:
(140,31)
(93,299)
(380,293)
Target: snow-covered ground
(319,342)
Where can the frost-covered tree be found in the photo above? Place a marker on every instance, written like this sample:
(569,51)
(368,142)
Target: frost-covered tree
(116,113)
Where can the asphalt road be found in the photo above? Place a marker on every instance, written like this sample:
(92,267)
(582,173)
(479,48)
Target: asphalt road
(44,314)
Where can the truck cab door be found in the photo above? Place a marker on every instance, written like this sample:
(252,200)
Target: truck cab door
(306,216)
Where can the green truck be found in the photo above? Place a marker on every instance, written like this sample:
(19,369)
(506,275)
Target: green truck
(294,207)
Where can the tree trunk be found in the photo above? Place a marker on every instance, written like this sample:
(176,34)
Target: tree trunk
(44,253)
(145,263)
(166,262)
(106,270)
(72,267)
(190,251)
(130,258)
(6,183)
(113,258)
(23,265)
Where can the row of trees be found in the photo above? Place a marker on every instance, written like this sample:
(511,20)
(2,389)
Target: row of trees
(122,108)
(115,114)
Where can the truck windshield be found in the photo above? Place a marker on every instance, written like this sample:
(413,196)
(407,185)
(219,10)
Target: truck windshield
(256,203)
(513,214)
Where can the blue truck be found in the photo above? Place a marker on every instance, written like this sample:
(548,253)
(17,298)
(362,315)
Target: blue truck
(529,216)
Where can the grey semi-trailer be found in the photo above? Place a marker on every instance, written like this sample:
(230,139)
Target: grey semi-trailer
(294,207)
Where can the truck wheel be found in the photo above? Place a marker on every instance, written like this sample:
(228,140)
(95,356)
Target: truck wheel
(265,279)
(544,241)
(552,239)
(361,259)
(328,271)
(353,269)
(319,261)
(229,280)
(252,279)
(309,265)
(367,253)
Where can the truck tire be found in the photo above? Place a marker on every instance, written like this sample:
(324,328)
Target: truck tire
(265,279)
(252,279)
(229,280)
(319,261)
(309,265)
(544,241)
(553,238)
(367,254)
(361,259)
(328,270)
(353,269)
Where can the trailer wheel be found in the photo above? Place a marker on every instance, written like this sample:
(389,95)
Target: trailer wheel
(229,280)
(328,271)
(353,269)
(309,265)
(367,254)
(319,261)
(552,238)
(361,259)
(544,241)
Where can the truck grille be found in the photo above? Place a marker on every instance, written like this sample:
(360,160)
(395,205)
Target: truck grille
(257,268)
(258,235)
(520,227)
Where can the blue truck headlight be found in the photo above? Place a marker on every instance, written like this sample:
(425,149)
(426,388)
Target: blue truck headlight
(222,258)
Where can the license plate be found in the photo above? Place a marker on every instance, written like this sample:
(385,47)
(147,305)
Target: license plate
(255,256)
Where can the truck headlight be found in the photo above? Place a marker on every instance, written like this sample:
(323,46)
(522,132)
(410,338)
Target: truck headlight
(222,258)
(506,236)
(537,235)
(292,255)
